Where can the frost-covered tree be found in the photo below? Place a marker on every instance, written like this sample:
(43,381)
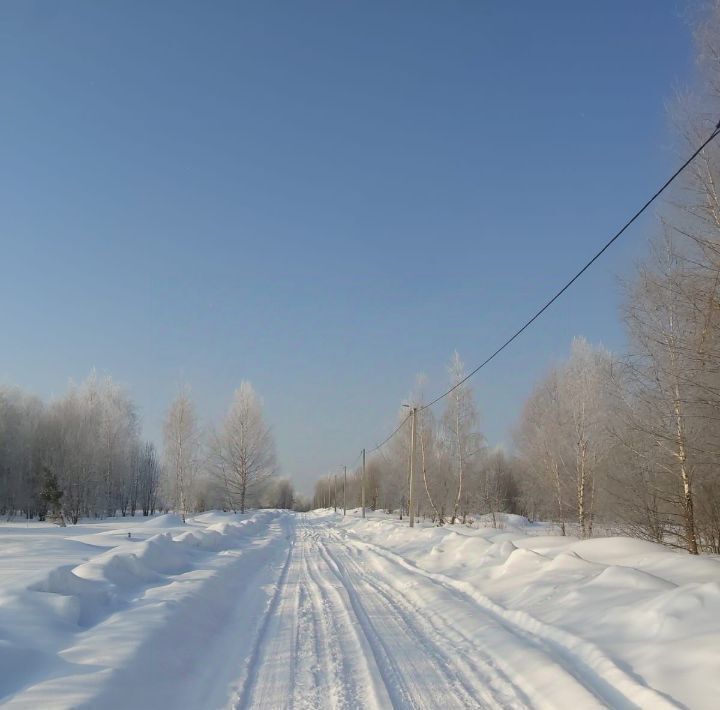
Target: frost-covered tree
(498,492)
(434,478)
(462,440)
(284,495)
(182,444)
(243,453)
(583,390)
(565,437)
(543,447)
(20,470)
(148,478)
(118,429)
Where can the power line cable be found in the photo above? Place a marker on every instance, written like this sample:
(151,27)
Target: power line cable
(597,255)
(357,458)
(381,444)
(385,441)
(562,290)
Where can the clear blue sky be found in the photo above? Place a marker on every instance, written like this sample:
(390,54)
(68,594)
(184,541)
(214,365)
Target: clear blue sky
(325,198)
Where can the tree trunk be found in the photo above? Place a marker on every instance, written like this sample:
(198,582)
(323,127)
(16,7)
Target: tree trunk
(581,487)
(427,489)
(460,461)
(558,491)
(681,455)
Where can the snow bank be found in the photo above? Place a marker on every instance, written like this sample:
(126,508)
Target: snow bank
(42,611)
(172,615)
(168,520)
(621,607)
(218,516)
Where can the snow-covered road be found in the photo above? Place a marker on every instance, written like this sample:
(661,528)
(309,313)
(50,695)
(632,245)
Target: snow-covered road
(340,634)
(282,610)
(352,625)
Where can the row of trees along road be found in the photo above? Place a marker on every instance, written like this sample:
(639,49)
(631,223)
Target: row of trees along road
(82,455)
(628,442)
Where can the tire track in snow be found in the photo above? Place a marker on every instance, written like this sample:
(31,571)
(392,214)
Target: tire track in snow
(308,649)
(465,663)
(580,660)
(267,636)
(308,653)
(357,682)
(397,690)
(353,625)
(329,689)
(331,679)
(438,675)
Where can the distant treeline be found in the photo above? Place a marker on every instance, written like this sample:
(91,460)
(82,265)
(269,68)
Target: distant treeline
(83,455)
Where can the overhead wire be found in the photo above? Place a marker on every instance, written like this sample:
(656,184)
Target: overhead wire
(587,265)
(357,458)
(387,438)
(560,292)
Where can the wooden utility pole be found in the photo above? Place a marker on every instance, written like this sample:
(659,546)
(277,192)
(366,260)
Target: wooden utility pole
(344,490)
(335,496)
(411,512)
(362,486)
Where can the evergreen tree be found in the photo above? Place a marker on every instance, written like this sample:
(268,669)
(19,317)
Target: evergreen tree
(51,495)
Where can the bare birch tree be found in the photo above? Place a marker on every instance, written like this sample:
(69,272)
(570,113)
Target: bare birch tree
(182,441)
(244,448)
(462,439)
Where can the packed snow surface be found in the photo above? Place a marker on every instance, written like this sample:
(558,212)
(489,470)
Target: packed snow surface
(275,610)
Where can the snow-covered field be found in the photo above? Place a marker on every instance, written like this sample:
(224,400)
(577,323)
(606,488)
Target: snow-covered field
(276,609)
